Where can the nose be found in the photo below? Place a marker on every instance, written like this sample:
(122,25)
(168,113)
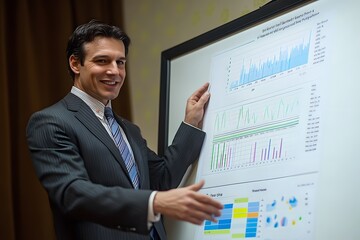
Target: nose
(113,69)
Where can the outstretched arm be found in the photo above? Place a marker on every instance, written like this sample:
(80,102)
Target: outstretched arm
(187,204)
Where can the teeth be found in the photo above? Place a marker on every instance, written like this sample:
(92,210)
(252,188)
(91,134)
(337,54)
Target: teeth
(110,83)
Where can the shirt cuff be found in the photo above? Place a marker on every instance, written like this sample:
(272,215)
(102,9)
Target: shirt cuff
(192,125)
(152,217)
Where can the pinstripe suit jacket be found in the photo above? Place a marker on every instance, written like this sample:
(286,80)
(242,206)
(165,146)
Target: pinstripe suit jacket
(89,189)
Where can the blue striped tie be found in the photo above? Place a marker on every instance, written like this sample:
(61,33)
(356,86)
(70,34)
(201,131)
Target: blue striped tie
(123,148)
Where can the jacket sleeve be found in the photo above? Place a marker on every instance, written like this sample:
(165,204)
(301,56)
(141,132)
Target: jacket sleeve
(167,171)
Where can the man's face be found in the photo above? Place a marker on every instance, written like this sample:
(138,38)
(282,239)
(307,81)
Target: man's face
(103,71)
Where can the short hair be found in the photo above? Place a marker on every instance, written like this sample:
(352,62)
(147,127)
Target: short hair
(86,33)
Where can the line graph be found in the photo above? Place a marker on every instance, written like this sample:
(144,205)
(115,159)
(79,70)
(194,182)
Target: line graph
(264,111)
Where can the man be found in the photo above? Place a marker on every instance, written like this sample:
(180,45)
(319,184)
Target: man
(102,180)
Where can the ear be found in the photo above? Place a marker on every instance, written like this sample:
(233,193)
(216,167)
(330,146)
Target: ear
(74,64)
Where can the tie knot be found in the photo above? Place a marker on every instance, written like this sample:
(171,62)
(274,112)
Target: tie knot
(108,112)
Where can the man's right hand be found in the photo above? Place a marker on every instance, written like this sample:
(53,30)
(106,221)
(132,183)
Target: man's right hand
(187,204)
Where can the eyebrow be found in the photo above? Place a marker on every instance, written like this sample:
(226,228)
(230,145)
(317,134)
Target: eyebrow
(104,56)
(107,56)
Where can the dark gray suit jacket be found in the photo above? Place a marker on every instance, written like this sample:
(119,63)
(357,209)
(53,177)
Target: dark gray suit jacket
(89,189)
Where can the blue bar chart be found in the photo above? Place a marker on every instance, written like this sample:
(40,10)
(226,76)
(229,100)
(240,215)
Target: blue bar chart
(258,65)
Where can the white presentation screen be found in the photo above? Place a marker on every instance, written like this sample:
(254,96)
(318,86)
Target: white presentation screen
(282,125)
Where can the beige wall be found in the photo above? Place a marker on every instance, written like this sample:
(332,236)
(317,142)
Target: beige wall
(156,25)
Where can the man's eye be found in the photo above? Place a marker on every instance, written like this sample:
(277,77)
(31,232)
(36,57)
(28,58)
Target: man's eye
(120,62)
(101,61)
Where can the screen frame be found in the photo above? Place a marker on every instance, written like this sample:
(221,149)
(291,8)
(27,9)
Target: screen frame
(269,10)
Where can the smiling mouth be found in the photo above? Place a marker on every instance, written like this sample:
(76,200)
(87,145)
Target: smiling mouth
(111,83)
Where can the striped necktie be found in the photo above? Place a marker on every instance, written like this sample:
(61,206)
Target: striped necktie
(123,148)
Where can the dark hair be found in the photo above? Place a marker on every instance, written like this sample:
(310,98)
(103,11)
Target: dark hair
(86,33)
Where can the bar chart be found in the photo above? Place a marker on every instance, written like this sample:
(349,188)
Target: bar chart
(247,67)
(253,151)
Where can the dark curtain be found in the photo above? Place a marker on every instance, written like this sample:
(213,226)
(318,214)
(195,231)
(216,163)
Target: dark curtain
(33,75)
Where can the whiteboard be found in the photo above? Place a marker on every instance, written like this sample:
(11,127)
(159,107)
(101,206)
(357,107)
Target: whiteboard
(282,125)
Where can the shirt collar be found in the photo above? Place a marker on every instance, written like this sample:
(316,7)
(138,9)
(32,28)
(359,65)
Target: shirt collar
(96,106)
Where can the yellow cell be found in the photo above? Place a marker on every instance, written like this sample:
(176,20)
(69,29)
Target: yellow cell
(238,235)
(240,210)
(240,215)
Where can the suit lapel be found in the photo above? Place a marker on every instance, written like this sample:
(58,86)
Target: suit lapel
(87,117)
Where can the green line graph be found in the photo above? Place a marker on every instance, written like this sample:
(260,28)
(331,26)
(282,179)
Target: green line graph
(258,113)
